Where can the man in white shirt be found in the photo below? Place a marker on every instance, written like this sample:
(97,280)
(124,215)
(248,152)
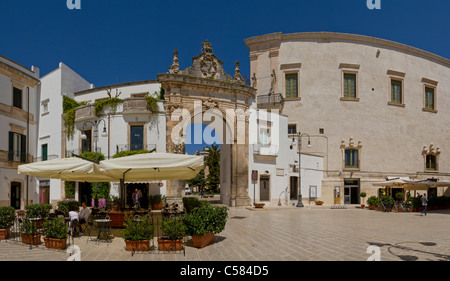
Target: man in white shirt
(84,214)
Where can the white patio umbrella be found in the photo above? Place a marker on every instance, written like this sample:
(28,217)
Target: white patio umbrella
(391,183)
(68,169)
(153,166)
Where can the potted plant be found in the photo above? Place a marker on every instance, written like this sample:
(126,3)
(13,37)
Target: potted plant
(174,231)
(29,233)
(157,201)
(318,202)
(7,217)
(137,233)
(37,213)
(388,202)
(363,195)
(373,202)
(203,222)
(400,196)
(55,232)
(65,205)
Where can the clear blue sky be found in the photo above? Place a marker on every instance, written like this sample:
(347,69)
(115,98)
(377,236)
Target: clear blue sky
(111,41)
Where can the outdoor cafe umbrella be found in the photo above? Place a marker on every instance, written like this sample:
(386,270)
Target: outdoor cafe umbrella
(68,169)
(153,167)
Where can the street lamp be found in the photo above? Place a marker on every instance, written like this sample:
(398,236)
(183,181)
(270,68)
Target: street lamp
(83,137)
(299,137)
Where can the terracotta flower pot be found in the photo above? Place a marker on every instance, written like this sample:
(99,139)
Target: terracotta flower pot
(204,240)
(258,205)
(4,233)
(363,207)
(54,243)
(137,245)
(165,244)
(31,239)
(371,207)
(158,206)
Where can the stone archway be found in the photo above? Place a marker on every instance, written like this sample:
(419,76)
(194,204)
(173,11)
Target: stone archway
(202,89)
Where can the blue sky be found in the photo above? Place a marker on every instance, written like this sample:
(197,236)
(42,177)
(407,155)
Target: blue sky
(113,41)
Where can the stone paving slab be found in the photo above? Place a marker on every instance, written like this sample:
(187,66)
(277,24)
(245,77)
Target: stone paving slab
(286,234)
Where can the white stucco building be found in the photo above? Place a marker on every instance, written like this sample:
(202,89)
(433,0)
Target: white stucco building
(62,81)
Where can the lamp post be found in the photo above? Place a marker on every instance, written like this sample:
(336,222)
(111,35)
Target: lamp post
(299,137)
(83,137)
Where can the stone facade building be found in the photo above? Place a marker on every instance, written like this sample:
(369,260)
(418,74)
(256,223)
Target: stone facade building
(19,117)
(373,108)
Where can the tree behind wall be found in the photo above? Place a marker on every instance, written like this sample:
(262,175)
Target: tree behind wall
(213,162)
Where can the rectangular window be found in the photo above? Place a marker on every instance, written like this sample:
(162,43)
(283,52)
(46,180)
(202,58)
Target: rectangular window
(136,137)
(292,129)
(429,98)
(349,85)
(17,97)
(44,152)
(291,85)
(351,158)
(396,91)
(264,137)
(17,147)
(431,162)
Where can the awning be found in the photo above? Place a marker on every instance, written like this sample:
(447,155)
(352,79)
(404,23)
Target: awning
(136,168)
(68,169)
(411,185)
(153,167)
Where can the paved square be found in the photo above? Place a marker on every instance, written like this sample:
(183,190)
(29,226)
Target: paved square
(287,234)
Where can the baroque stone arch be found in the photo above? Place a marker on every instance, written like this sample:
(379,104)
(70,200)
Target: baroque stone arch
(204,89)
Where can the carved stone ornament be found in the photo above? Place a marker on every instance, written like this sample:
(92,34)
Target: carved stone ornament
(237,75)
(206,65)
(171,107)
(175,67)
(178,148)
(210,103)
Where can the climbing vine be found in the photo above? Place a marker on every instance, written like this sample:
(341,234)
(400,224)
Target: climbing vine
(69,105)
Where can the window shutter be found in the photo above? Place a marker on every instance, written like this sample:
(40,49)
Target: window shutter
(23,148)
(11,147)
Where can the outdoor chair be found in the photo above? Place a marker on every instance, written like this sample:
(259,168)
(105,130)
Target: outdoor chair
(73,226)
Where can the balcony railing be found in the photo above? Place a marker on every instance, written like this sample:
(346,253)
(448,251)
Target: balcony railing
(126,147)
(271,100)
(268,150)
(135,105)
(85,112)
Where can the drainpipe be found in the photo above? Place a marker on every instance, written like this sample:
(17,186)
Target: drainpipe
(28,136)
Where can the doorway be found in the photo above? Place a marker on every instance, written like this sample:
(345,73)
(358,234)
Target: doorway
(351,191)
(264,188)
(293,188)
(143,187)
(15,194)
(85,193)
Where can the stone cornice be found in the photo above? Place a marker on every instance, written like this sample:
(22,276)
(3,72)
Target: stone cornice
(265,42)
(18,75)
(182,79)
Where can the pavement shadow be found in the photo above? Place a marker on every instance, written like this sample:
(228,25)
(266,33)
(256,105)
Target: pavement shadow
(410,250)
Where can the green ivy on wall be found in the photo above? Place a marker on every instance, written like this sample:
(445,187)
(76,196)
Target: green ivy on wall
(69,106)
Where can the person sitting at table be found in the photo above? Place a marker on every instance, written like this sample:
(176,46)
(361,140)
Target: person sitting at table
(84,215)
(73,215)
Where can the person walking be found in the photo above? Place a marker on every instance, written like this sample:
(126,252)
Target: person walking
(424,204)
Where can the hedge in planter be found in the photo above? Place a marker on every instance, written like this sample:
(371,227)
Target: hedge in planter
(137,234)
(373,202)
(7,217)
(65,205)
(203,222)
(174,231)
(29,233)
(55,232)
